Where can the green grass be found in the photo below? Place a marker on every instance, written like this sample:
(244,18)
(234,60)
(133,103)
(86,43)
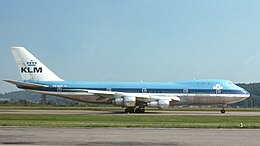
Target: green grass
(132,120)
(44,107)
(157,121)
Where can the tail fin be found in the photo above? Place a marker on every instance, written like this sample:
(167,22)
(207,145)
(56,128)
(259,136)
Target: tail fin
(31,68)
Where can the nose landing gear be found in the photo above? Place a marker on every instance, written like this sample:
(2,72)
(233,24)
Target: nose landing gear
(222,111)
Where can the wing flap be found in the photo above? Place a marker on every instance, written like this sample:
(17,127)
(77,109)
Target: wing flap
(171,98)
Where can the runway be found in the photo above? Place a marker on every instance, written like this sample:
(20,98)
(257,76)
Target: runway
(127,136)
(157,112)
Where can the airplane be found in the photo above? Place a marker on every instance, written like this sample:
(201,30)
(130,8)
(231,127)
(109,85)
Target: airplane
(133,96)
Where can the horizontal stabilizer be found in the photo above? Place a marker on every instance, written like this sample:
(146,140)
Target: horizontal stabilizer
(25,84)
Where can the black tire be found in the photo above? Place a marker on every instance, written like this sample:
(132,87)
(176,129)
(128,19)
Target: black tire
(132,110)
(129,110)
(139,110)
(142,110)
(223,111)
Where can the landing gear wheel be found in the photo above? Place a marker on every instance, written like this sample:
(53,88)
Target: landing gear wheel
(129,110)
(223,111)
(139,110)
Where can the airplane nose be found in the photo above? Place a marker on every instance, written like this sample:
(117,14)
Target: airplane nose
(246,93)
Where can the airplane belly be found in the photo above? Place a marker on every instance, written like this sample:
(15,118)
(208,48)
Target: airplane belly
(209,100)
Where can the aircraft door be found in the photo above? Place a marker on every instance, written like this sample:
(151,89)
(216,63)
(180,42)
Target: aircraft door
(144,90)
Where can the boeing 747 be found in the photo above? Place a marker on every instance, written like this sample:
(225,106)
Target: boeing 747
(133,96)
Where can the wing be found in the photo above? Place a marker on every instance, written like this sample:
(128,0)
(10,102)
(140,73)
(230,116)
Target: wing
(139,97)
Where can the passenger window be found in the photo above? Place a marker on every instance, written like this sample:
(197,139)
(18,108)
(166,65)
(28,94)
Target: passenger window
(185,90)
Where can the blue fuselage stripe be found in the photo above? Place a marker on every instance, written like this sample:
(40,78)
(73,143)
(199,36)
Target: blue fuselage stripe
(141,90)
(192,87)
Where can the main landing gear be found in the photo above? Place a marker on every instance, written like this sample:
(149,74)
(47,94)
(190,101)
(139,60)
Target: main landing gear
(129,110)
(139,110)
(134,110)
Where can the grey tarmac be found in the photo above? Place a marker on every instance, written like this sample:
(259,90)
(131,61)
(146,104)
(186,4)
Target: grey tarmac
(127,136)
(155,112)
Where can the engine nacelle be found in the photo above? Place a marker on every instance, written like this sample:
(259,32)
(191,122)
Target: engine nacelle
(126,101)
(161,104)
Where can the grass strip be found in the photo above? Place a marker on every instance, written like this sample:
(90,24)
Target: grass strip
(157,121)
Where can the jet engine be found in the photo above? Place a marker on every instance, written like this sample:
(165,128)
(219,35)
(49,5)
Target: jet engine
(126,101)
(161,104)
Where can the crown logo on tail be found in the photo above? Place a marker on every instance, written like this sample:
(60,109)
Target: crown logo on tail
(31,63)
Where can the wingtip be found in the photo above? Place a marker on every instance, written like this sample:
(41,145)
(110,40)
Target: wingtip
(5,80)
(9,81)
